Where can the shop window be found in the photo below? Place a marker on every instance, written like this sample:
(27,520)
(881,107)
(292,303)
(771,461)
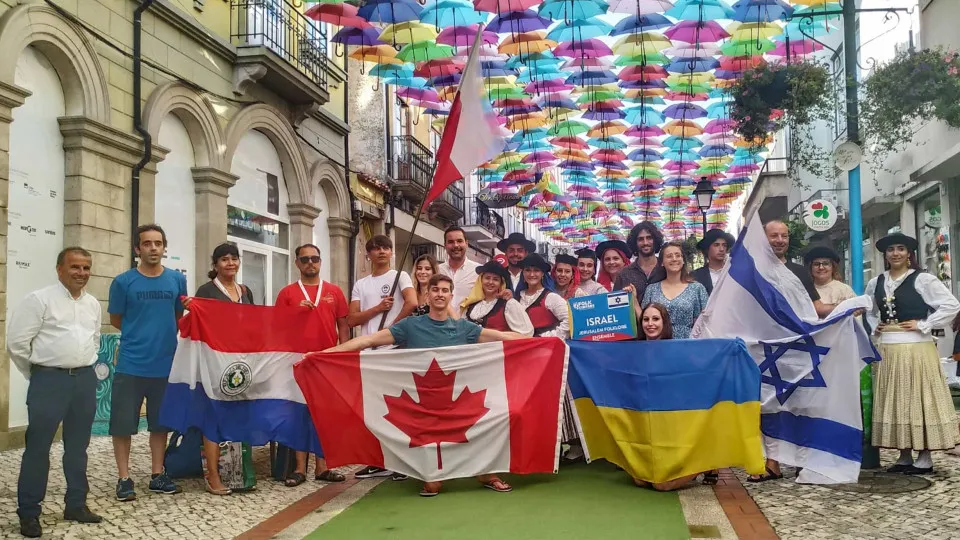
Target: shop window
(933,237)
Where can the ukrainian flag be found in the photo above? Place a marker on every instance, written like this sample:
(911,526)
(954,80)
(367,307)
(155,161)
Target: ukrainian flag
(666,409)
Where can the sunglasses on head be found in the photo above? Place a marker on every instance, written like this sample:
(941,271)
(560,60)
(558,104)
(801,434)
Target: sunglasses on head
(311,259)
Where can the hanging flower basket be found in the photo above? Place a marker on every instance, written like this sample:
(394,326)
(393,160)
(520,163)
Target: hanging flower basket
(771,96)
(915,85)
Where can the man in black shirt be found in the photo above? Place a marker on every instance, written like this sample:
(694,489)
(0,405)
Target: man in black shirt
(779,237)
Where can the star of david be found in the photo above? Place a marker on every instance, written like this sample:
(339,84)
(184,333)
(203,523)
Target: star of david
(770,373)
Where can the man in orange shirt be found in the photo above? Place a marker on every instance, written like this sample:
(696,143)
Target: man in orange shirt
(328,308)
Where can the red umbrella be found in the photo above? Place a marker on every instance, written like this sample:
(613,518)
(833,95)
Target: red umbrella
(741,63)
(608,155)
(439,67)
(643,73)
(343,15)
(570,142)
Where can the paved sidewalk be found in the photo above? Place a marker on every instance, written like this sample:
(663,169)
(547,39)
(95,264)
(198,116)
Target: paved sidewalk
(192,514)
(807,512)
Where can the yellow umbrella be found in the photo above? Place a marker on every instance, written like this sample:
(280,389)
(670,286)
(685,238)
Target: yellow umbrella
(439,122)
(447,93)
(612,173)
(606,129)
(609,87)
(690,78)
(743,143)
(505,157)
(408,32)
(572,155)
(636,93)
(748,31)
(500,80)
(526,121)
(648,37)
(380,54)
(527,43)
(683,128)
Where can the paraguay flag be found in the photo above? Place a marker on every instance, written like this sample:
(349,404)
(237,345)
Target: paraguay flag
(438,414)
(662,410)
(232,375)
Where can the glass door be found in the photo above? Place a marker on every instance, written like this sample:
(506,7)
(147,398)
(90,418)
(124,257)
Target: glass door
(255,272)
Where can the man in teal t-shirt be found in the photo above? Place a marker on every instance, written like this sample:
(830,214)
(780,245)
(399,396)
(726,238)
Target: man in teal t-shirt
(435,329)
(145,305)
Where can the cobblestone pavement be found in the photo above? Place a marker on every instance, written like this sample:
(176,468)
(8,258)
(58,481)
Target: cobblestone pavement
(807,512)
(191,514)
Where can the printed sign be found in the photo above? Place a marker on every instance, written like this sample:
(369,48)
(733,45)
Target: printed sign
(820,215)
(603,317)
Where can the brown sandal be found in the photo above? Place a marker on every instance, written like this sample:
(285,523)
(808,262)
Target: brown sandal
(294,479)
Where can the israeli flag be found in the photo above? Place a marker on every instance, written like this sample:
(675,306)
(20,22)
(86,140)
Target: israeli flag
(810,368)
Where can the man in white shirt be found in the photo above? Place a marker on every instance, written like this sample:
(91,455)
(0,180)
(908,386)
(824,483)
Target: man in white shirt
(371,298)
(458,267)
(53,339)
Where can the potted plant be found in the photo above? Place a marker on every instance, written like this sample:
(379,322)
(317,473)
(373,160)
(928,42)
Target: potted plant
(915,85)
(771,96)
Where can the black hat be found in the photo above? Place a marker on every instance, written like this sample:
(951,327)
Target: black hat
(820,252)
(712,236)
(894,239)
(516,239)
(613,244)
(493,267)
(566,259)
(586,253)
(536,261)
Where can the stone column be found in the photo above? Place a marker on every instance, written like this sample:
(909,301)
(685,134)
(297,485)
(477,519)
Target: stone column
(301,228)
(211,186)
(10,98)
(341,231)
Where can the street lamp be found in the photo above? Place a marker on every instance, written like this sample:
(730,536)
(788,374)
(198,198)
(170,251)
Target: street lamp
(704,194)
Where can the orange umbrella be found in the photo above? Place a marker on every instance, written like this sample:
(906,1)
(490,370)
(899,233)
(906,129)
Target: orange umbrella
(526,43)
(683,128)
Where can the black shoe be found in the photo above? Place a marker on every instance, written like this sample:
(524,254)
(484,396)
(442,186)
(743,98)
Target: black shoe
(398,477)
(916,470)
(30,527)
(81,514)
(898,468)
(372,472)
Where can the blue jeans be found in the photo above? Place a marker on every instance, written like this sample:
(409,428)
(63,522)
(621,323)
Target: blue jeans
(56,396)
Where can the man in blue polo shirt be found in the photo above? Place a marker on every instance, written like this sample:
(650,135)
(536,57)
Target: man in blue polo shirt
(145,304)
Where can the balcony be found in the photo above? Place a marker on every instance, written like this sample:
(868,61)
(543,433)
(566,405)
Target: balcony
(281,49)
(411,166)
(449,205)
(483,226)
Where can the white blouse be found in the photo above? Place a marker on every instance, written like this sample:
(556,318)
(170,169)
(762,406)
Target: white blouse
(933,292)
(557,305)
(592,287)
(516,315)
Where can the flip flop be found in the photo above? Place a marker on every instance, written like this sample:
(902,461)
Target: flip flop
(498,485)
(764,477)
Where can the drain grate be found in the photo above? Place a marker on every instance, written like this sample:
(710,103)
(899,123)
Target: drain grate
(881,482)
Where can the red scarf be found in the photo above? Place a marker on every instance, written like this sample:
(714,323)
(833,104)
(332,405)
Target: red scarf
(605,278)
(572,287)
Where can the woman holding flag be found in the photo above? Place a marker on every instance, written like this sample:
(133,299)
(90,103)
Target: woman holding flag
(486,307)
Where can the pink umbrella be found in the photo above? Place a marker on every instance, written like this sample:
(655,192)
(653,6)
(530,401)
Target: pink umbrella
(645,131)
(587,64)
(539,157)
(486,52)
(463,36)
(587,48)
(418,94)
(681,166)
(723,125)
(640,7)
(639,142)
(504,6)
(738,170)
(697,32)
(724,137)
(797,48)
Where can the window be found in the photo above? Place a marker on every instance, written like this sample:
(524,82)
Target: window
(934,249)
(839,95)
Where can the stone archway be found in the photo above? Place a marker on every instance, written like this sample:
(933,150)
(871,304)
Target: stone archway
(197,115)
(329,179)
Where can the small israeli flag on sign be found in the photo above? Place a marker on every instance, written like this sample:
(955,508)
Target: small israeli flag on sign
(618,299)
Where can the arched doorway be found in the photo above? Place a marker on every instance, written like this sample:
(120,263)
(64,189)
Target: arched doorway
(175,199)
(35,206)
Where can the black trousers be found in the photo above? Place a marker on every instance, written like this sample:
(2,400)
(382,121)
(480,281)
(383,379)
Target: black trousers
(56,396)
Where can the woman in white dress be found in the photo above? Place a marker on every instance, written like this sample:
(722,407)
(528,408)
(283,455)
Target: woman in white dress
(912,407)
(485,304)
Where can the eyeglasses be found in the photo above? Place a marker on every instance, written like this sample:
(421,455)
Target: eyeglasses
(822,264)
(313,259)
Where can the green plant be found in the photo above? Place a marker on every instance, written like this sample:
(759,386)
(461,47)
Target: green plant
(773,96)
(915,85)
(798,239)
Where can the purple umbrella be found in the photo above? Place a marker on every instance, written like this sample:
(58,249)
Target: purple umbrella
(684,111)
(697,32)
(539,157)
(518,22)
(357,36)
(463,36)
(418,94)
(681,166)
(572,165)
(547,86)
(614,165)
(604,114)
(446,80)
(587,48)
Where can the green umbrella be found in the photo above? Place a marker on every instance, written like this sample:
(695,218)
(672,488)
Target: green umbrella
(424,51)
(568,128)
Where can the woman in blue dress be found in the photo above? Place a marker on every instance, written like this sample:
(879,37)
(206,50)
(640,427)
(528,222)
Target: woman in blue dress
(683,297)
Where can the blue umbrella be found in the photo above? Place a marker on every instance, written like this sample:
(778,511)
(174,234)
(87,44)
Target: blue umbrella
(761,10)
(409,82)
(390,11)
(392,70)
(436,112)
(640,23)
(579,29)
(445,80)
(585,78)
(572,165)
(613,165)
(534,146)
(446,13)
(700,10)
(568,10)
(559,103)
(607,143)
(544,74)
(643,115)
(690,65)
(529,134)
(518,22)
(718,111)
(673,155)
(715,150)
(513,111)
(645,154)
(685,111)
(687,143)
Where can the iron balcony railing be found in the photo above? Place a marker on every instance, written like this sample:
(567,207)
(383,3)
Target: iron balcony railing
(411,162)
(281,28)
(480,214)
(453,196)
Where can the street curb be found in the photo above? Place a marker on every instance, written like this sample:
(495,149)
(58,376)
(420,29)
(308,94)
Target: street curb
(273,525)
(746,517)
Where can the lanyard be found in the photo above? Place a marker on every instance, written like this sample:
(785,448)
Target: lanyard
(216,281)
(307,296)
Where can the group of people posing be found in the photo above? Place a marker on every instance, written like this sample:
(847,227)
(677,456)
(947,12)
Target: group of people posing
(54,334)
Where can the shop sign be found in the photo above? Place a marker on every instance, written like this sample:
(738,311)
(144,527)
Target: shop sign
(820,215)
(496,199)
(933,217)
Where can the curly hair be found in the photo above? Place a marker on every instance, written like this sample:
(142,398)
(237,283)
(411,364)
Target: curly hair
(650,228)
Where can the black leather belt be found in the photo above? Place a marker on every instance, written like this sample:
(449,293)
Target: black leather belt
(69,371)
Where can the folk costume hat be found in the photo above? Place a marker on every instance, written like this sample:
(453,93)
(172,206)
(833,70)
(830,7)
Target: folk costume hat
(894,239)
(516,239)
(493,267)
(476,293)
(712,236)
(820,252)
(618,245)
(586,253)
(563,258)
(536,261)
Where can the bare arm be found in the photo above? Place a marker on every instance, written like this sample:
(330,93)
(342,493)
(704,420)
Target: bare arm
(383,337)
(823,309)
(343,330)
(409,303)
(356,317)
(116,319)
(487,335)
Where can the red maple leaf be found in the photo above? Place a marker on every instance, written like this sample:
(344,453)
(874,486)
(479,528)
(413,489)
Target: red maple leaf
(437,417)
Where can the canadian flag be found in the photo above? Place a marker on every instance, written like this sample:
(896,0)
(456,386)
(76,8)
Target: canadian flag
(437,414)
(472,136)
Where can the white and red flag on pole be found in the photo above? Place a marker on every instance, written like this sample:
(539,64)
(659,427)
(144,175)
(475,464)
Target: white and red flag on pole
(472,135)
(438,414)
